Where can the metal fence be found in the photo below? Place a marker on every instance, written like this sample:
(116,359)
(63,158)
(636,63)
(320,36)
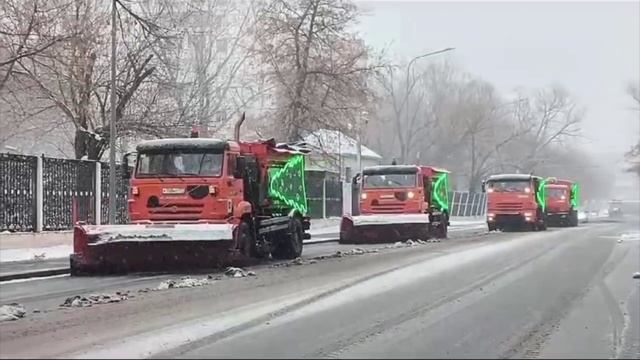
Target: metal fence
(39,193)
(17,192)
(324,195)
(464,203)
(42,193)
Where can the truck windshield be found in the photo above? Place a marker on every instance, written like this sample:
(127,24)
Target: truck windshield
(509,186)
(179,164)
(556,193)
(389,181)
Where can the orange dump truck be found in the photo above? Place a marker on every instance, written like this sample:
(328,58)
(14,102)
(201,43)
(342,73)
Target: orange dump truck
(399,202)
(202,203)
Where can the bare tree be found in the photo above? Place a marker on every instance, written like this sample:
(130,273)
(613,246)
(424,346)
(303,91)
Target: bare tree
(319,66)
(72,74)
(212,74)
(547,118)
(28,27)
(633,89)
(633,155)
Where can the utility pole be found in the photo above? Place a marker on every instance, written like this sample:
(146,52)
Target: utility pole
(112,122)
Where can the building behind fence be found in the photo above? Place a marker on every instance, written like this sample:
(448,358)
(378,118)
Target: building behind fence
(39,193)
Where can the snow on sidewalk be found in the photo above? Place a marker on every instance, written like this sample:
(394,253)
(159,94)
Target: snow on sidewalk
(43,253)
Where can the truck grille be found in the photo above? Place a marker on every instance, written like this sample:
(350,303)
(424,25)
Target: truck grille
(180,211)
(392,208)
(509,206)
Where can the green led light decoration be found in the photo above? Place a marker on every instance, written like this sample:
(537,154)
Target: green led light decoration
(575,196)
(287,184)
(541,196)
(440,193)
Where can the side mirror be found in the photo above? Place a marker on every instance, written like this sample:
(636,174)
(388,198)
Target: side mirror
(239,170)
(127,165)
(356,179)
(484,183)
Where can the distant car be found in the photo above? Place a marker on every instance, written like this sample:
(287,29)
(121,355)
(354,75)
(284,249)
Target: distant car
(615,212)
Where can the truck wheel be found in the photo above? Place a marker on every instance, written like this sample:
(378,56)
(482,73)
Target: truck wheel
(290,247)
(492,227)
(573,218)
(246,242)
(441,231)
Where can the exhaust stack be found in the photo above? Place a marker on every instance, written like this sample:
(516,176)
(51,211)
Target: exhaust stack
(236,128)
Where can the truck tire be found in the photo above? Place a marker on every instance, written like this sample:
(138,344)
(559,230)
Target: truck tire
(573,218)
(246,239)
(492,227)
(290,246)
(441,231)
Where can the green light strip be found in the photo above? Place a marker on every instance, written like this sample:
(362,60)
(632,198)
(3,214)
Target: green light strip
(286,175)
(442,181)
(542,194)
(575,196)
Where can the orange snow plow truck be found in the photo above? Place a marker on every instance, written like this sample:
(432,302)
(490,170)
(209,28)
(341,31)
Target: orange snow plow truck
(202,203)
(562,202)
(398,202)
(516,201)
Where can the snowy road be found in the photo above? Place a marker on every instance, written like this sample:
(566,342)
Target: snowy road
(564,292)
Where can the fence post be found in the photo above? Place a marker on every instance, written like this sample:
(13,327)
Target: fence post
(324,196)
(39,194)
(98,194)
(466,206)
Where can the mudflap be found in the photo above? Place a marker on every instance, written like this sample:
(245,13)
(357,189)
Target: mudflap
(365,229)
(118,249)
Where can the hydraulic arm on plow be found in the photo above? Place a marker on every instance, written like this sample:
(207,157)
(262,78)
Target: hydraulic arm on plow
(202,203)
(398,202)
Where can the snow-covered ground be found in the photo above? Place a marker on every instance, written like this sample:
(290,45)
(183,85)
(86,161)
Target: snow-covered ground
(43,253)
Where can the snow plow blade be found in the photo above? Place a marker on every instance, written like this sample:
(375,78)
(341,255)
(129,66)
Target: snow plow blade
(374,229)
(109,249)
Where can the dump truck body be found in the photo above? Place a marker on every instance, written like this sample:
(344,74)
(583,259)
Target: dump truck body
(515,201)
(396,204)
(197,203)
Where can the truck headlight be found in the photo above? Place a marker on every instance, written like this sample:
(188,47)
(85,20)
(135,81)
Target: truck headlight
(363,196)
(410,195)
(528,214)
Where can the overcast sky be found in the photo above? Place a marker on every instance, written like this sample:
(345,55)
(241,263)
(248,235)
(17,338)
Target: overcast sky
(591,48)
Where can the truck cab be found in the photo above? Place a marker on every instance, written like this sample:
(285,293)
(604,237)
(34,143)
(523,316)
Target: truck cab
(185,180)
(515,201)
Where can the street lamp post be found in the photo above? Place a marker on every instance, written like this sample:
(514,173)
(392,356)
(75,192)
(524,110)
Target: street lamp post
(112,122)
(406,94)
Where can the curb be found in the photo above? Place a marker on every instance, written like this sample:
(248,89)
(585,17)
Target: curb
(35,274)
(320,241)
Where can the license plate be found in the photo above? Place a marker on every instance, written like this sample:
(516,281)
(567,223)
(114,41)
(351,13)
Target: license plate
(172,191)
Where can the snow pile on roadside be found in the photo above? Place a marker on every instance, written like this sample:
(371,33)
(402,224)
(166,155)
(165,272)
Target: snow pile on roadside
(51,252)
(411,243)
(238,272)
(95,299)
(11,312)
(184,282)
(189,282)
(633,236)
